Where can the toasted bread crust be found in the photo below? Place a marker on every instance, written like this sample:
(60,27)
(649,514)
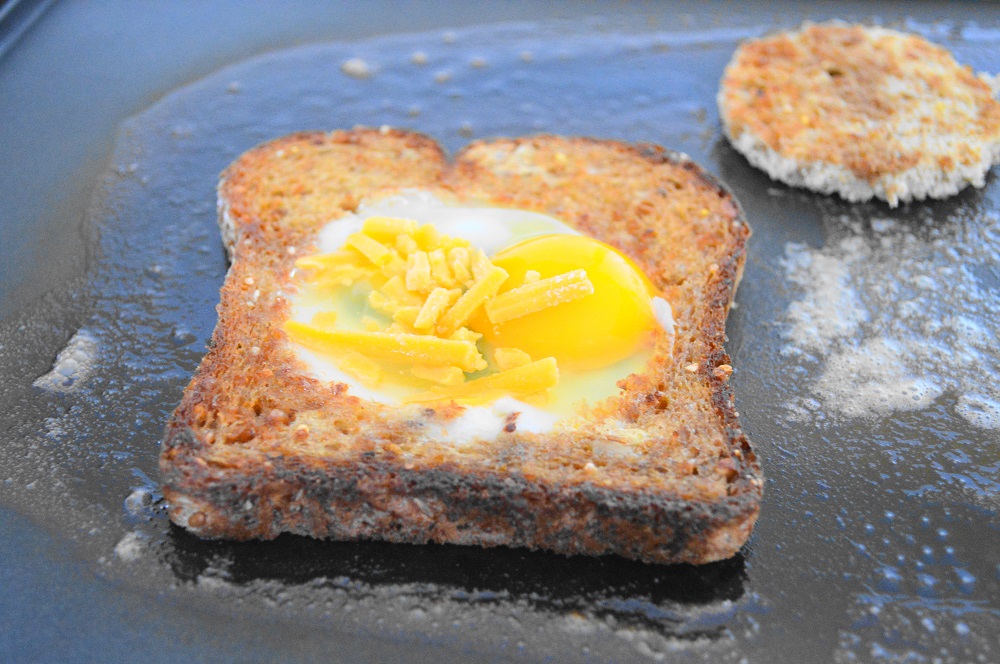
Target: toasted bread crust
(860,111)
(661,473)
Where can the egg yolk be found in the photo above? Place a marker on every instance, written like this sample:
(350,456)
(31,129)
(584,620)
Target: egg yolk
(589,332)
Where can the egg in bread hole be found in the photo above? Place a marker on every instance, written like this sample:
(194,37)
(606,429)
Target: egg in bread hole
(414,301)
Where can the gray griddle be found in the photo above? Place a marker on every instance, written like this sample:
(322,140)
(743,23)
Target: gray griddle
(878,536)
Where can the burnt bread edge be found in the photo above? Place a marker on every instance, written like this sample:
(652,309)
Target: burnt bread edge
(377,498)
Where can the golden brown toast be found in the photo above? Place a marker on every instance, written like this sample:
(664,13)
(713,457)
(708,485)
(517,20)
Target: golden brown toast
(661,473)
(860,111)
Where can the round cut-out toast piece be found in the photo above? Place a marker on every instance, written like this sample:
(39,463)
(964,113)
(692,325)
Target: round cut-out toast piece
(863,112)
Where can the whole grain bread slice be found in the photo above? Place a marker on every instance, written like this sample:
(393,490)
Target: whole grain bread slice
(662,473)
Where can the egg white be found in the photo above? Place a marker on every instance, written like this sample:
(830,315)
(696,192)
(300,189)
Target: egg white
(490,229)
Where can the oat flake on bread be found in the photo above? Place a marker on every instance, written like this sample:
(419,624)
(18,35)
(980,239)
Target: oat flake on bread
(863,112)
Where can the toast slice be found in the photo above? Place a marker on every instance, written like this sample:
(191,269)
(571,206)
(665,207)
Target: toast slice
(662,472)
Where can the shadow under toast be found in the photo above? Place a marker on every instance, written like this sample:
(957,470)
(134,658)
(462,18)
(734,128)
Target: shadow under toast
(656,596)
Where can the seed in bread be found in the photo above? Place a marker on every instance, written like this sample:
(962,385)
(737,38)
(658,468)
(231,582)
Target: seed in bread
(863,112)
(659,471)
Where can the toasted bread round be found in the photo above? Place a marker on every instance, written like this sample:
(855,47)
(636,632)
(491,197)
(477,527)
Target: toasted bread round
(863,112)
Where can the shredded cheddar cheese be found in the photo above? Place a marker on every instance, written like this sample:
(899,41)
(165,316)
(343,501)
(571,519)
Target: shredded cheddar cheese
(431,285)
(524,380)
(366,370)
(399,347)
(539,295)
(509,358)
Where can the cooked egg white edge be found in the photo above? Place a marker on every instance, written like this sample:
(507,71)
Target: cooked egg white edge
(488,228)
(664,315)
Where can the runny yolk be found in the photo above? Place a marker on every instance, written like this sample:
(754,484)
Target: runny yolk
(588,333)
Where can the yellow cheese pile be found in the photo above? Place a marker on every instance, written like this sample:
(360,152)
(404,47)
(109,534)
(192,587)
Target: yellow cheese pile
(430,286)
